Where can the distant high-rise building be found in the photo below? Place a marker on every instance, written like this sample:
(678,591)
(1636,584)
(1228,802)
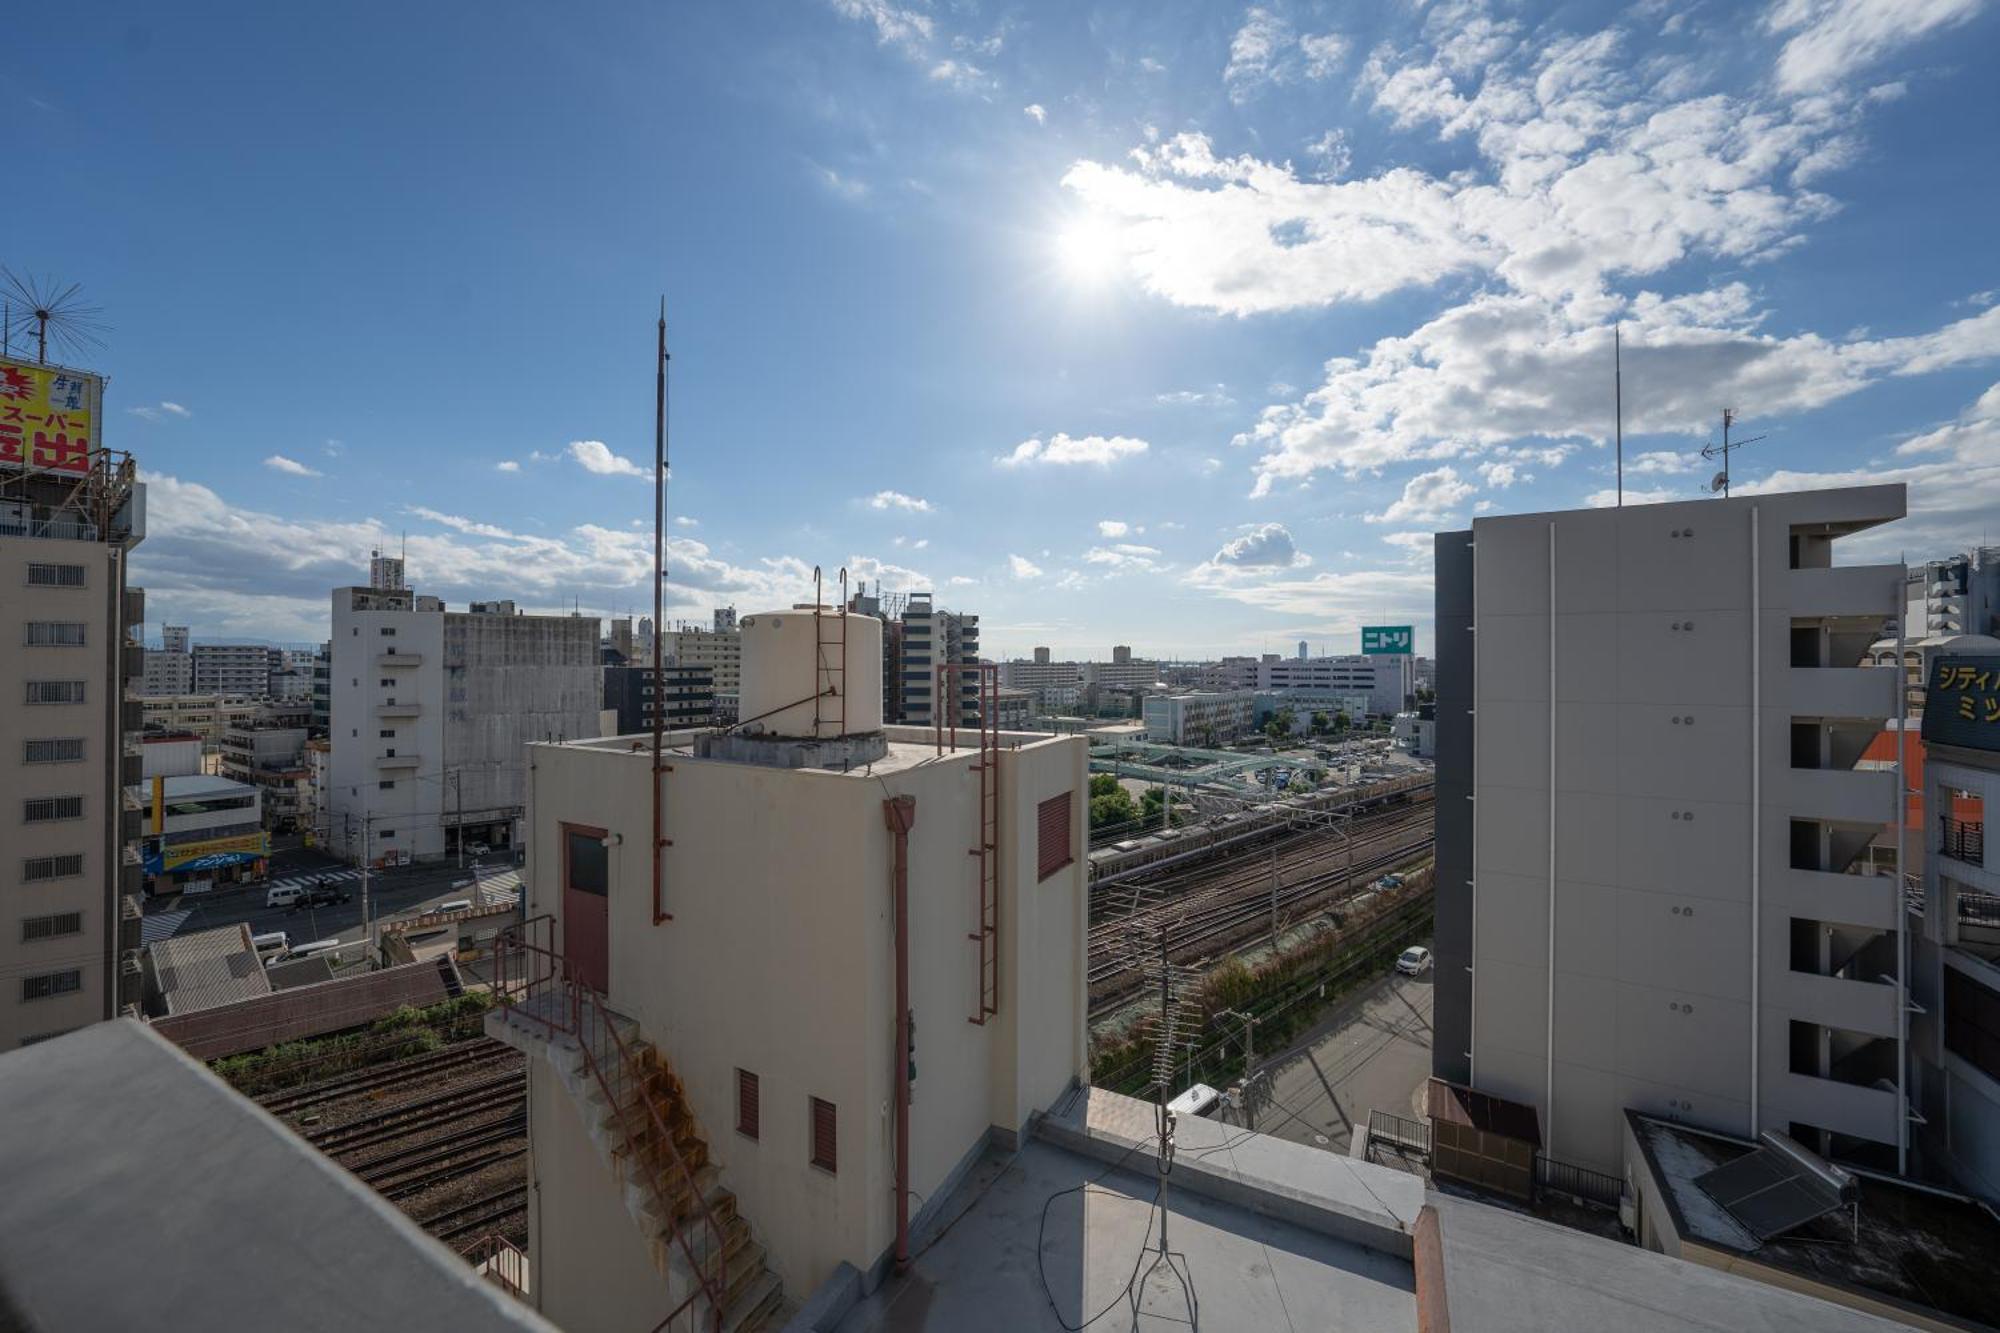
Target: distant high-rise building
(431,709)
(725,620)
(934,637)
(689,693)
(385,572)
(1041,657)
(1302,650)
(621,638)
(174,638)
(1121,654)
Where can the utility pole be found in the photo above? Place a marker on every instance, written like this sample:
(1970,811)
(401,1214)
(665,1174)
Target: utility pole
(456,776)
(1274,889)
(366,822)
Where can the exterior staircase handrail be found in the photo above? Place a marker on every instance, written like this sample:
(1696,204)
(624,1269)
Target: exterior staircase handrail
(543,973)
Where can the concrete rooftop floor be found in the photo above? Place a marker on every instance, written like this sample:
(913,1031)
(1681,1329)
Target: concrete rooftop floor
(1247,1272)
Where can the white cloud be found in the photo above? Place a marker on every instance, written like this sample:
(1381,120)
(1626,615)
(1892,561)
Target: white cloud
(1126,557)
(1065,451)
(908,30)
(685,521)
(1501,368)
(960,581)
(160,410)
(1111,527)
(1265,50)
(1218,396)
(1636,495)
(960,74)
(897,500)
(1428,497)
(1659,461)
(1036,112)
(1023,568)
(1500,475)
(1416,546)
(918,544)
(1831,39)
(507,465)
(847,187)
(595,456)
(291,467)
(1334,155)
(1266,546)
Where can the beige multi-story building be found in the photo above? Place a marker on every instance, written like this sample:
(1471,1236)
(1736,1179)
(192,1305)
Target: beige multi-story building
(206,715)
(1199,717)
(69,890)
(760,972)
(720,650)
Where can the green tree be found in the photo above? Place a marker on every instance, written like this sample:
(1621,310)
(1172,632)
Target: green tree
(1152,805)
(1113,807)
(1102,784)
(1341,721)
(1319,723)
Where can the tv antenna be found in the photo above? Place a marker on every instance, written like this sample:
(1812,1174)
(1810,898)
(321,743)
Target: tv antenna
(58,312)
(1720,481)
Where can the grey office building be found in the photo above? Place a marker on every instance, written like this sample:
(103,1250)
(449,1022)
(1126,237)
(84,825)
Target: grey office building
(1650,820)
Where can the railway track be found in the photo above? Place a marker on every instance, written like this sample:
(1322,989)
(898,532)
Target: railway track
(392,1075)
(479,1215)
(461,1103)
(1204,919)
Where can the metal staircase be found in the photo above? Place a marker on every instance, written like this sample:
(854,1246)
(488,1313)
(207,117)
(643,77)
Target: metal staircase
(638,1115)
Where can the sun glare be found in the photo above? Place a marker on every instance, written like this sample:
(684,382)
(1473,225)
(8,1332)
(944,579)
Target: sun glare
(1089,250)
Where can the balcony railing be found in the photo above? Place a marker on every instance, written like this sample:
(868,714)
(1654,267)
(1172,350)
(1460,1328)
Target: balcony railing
(1979,909)
(1962,840)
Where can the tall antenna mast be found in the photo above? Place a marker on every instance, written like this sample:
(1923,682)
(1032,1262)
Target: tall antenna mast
(659,718)
(1720,482)
(1618,410)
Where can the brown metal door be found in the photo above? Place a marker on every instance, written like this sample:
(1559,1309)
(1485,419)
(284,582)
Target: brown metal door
(586,906)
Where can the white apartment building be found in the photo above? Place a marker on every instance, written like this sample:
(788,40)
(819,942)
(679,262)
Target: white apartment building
(206,715)
(1650,823)
(430,710)
(934,637)
(169,670)
(69,872)
(1199,717)
(1388,680)
(234,668)
(762,981)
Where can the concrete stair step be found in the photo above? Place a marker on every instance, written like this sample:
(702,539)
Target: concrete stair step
(754,1308)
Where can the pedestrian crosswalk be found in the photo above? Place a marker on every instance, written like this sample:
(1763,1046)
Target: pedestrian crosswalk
(157,926)
(317,877)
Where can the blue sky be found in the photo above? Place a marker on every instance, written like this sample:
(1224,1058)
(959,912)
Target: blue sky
(1180,326)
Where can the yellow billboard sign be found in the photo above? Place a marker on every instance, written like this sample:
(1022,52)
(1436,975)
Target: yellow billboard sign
(231,848)
(48,417)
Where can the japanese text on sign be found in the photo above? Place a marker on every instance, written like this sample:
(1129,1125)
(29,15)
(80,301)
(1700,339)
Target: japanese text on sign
(47,417)
(1962,704)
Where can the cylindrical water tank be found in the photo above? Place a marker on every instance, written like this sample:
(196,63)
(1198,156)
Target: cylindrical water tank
(789,658)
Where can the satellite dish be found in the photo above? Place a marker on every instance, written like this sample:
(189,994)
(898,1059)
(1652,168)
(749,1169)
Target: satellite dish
(1718,481)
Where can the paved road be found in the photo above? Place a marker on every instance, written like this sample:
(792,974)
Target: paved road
(390,893)
(1375,1052)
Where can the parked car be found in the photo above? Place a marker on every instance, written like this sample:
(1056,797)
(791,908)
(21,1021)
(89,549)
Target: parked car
(324,895)
(477,848)
(1413,960)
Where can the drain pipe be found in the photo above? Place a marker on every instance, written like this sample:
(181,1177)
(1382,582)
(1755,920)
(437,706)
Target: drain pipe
(900,814)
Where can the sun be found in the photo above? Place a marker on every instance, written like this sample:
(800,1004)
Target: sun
(1089,250)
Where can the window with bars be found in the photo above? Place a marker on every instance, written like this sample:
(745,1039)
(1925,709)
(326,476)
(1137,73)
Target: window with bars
(42,809)
(55,633)
(51,984)
(1052,844)
(746,1103)
(55,576)
(52,867)
(51,927)
(55,691)
(54,750)
(825,1140)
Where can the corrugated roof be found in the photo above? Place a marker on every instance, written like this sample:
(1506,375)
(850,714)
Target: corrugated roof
(208,968)
(298,1012)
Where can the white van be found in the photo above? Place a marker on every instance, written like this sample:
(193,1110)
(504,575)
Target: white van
(1197,1100)
(454,905)
(283,895)
(271,946)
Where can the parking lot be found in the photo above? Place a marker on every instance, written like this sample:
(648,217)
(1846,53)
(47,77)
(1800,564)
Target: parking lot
(1374,1052)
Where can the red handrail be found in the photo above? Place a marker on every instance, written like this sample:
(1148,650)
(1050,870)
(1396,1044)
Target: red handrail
(549,996)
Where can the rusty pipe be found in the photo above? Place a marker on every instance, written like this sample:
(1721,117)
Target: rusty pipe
(900,814)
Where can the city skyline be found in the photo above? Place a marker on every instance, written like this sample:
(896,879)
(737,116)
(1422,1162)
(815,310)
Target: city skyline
(1183,331)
